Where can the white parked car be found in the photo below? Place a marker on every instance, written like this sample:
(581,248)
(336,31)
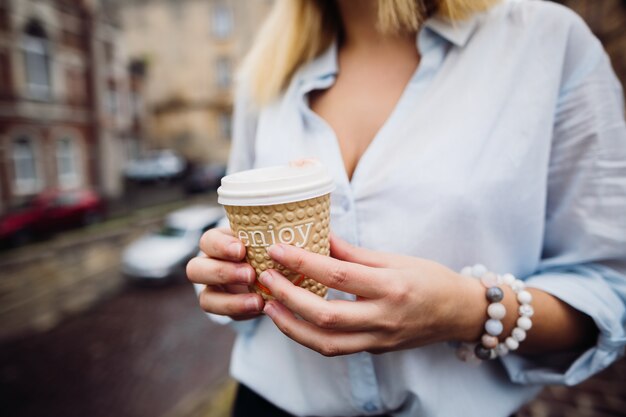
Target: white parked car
(156,166)
(164,254)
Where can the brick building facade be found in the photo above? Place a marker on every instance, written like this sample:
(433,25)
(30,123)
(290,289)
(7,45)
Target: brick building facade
(191,49)
(64,99)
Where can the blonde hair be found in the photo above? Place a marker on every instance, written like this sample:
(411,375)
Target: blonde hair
(296,31)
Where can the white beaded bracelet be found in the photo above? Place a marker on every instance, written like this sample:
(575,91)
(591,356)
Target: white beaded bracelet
(489,347)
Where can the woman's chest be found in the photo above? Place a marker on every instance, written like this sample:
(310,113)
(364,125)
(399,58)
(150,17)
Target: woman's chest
(358,104)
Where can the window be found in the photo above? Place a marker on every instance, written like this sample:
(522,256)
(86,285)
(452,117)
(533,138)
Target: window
(225,121)
(24,166)
(222,21)
(136,104)
(36,61)
(67,167)
(109,52)
(223,69)
(110,101)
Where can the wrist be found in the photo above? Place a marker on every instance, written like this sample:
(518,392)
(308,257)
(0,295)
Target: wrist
(491,344)
(470,311)
(471,314)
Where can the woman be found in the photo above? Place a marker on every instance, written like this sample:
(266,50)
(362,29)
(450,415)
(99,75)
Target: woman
(458,132)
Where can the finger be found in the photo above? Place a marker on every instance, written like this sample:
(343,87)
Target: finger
(342,250)
(345,276)
(221,244)
(326,342)
(225,304)
(335,314)
(209,271)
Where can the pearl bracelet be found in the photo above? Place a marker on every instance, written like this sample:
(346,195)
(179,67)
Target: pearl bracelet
(489,346)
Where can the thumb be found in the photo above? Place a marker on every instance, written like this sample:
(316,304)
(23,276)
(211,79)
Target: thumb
(342,250)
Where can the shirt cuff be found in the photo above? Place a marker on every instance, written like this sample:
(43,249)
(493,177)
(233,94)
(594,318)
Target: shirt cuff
(596,291)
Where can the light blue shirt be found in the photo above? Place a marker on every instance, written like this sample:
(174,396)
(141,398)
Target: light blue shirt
(508,148)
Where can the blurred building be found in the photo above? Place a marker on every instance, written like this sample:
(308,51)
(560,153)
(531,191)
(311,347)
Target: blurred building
(607,20)
(67,109)
(190,49)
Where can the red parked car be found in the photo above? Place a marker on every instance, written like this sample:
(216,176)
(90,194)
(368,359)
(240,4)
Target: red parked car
(50,212)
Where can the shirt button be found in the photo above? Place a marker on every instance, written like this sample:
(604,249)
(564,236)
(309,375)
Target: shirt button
(369,407)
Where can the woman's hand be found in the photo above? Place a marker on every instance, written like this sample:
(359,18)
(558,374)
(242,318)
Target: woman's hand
(226,275)
(402,302)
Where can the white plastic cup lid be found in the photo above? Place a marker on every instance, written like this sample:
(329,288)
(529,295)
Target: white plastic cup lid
(300,180)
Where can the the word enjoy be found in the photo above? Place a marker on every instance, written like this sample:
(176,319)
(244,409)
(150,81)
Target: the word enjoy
(297,235)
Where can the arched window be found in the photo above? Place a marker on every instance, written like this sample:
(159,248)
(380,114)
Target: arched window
(67,163)
(24,166)
(36,50)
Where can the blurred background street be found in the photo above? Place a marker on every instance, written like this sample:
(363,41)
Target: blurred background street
(145,352)
(115,126)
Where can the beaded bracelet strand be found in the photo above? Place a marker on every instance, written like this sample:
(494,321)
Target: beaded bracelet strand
(489,346)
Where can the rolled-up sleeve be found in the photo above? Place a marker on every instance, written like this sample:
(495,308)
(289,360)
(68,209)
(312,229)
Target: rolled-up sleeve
(584,254)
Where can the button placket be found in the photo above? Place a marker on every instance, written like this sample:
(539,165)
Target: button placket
(363,380)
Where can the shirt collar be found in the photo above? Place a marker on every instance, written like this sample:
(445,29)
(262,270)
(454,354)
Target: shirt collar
(322,66)
(455,32)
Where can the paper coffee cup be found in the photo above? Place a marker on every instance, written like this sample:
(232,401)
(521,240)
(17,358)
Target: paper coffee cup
(282,204)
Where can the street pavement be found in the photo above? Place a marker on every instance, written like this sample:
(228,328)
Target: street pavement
(140,353)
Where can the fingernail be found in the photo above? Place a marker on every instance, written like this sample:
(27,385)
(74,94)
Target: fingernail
(275,251)
(266,278)
(269,309)
(252,304)
(234,249)
(246,275)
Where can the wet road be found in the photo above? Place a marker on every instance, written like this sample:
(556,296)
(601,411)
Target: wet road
(137,354)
